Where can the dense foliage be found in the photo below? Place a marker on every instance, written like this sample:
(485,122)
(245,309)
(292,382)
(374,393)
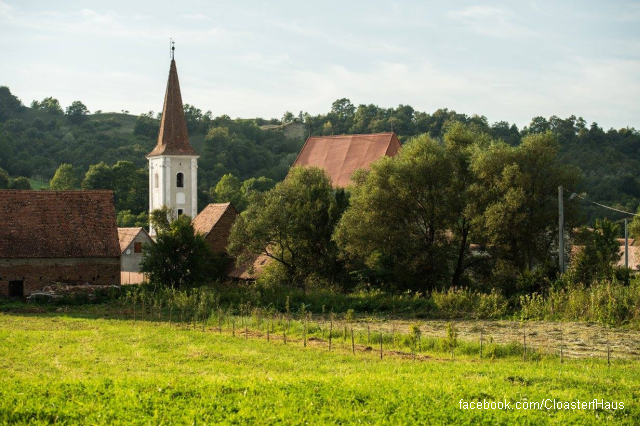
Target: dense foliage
(411,220)
(180,257)
(292,224)
(35,141)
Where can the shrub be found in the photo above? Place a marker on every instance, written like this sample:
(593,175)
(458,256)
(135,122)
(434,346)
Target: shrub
(605,302)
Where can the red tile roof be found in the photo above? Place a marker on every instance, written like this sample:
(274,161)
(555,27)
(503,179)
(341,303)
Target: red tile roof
(173,138)
(340,156)
(51,224)
(126,235)
(209,217)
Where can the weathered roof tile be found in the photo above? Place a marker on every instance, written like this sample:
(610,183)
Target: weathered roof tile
(52,224)
(342,155)
(173,138)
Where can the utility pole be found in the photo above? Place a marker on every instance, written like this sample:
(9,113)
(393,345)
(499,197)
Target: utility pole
(560,230)
(626,243)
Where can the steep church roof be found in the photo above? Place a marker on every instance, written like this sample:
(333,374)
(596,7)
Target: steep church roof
(342,155)
(58,224)
(173,138)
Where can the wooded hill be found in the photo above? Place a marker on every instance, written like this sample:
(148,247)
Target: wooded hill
(35,141)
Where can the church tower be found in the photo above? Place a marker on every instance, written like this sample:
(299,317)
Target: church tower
(173,163)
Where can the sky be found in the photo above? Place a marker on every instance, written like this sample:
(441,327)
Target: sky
(506,60)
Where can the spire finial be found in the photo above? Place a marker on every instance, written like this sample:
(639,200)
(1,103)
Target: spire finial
(173,47)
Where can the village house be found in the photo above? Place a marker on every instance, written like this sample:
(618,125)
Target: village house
(132,241)
(57,236)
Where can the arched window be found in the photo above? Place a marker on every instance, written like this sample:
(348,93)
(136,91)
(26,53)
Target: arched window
(180,180)
(157,181)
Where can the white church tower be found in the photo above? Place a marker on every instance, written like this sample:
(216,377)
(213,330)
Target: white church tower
(173,163)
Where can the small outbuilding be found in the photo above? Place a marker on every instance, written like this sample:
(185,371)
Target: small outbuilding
(132,242)
(215,222)
(57,236)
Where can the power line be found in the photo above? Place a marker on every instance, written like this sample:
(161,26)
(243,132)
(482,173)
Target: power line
(601,205)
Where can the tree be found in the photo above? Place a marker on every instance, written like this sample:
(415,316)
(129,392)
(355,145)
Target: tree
(126,219)
(4,179)
(180,257)
(64,179)
(21,183)
(518,188)
(147,125)
(48,104)
(634,226)
(124,180)
(395,231)
(341,115)
(598,252)
(161,218)
(8,103)
(288,117)
(251,185)
(327,129)
(77,112)
(292,224)
(99,176)
(228,190)
(127,184)
(195,119)
(461,142)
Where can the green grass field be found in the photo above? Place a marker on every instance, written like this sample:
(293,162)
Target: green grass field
(60,368)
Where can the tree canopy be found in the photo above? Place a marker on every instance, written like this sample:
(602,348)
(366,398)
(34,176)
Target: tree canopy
(292,224)
(180,257)
(65,179)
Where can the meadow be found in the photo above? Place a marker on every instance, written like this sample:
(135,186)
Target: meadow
(95,367)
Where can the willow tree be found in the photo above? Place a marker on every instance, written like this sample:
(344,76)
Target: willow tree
(519,191)
(396,229)
(292,224)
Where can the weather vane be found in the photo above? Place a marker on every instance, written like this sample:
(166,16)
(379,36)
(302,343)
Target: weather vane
(173,47)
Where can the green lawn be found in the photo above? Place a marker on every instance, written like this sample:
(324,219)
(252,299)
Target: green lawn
(59,368)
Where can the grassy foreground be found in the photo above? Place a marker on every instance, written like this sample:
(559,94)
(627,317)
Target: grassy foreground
(58,368)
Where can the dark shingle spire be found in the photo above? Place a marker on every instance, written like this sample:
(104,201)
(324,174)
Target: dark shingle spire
(173,138)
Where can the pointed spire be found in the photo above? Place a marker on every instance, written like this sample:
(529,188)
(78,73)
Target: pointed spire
(173,138)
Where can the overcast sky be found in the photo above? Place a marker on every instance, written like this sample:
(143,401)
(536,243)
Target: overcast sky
(506,60)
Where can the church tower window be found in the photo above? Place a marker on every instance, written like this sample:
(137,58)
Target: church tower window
(180,180)
(157,181)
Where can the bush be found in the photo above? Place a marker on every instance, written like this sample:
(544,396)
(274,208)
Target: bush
(458,302)
(609,303)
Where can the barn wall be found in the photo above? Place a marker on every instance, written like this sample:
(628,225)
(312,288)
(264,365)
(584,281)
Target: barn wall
(37,273)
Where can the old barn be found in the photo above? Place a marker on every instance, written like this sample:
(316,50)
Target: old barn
(57,236)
